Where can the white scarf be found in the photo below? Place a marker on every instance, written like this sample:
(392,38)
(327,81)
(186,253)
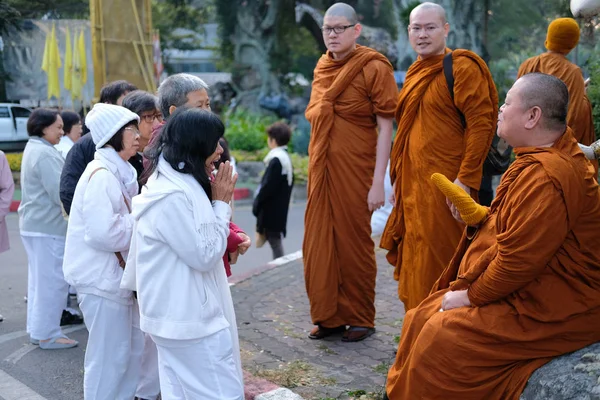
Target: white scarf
(285,160)
(125,173)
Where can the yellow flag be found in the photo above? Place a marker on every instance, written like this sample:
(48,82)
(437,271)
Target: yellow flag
(76,77)
(68,70)
(51,63)
(82,57)
(46,53)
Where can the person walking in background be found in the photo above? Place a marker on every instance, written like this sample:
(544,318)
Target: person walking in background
(182,219)
(43,230)
(7,189)
(350,111)
(83,151)
(73,128)
(272,202)
(440,129)
(98,238)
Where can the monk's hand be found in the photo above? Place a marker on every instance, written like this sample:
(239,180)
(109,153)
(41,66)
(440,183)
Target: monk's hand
(586,84)
(392,198)
(245,245)
(461,204)
(456,299)
(376,197)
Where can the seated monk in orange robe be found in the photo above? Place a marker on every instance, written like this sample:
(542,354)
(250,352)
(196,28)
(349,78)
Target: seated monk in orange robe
(524,284)
(353,96)
(562,37)
(420,235)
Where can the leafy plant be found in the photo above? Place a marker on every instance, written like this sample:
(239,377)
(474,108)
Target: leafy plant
(593,91)
(14,161)
(300,164)
(246,131)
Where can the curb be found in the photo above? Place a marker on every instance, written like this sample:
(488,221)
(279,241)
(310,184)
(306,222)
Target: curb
(267,267)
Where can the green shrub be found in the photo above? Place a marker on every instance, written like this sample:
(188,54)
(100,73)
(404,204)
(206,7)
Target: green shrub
(243,155)
(14,161)
(300,164)
(246,131)
(593,91)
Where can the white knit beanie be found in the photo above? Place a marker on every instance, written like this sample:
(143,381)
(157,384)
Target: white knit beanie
(104,120)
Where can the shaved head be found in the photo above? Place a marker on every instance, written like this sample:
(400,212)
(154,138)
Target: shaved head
(430,7)
(550,94)
(342,10)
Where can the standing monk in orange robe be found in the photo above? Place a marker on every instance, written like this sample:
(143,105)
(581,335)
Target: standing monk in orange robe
(420,235)
(562,37)
(524,284)
(353,96)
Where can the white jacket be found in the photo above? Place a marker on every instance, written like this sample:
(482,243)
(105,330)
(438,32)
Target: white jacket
(99,226)
(177,248)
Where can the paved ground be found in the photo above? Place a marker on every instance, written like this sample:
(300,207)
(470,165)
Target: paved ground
(273,322)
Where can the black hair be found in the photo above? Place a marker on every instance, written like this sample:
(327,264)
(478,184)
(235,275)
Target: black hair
(111,92)
(281,132)
(190,136)
(39,120)
(69,118)
(226,155)
(140,101)
(116,141)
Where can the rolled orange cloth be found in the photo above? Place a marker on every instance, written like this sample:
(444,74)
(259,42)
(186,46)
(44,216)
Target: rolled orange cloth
(470,212)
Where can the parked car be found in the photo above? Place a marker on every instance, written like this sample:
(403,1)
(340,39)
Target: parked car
(13,127)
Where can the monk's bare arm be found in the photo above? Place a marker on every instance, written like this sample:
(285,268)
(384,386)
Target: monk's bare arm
(376,197)
(535,221)
(472,96)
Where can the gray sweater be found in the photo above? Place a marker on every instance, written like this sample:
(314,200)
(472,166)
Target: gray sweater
(40,210)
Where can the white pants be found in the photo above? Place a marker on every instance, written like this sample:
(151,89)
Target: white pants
(149,385)
(198,369)
(47,290)
(114,349)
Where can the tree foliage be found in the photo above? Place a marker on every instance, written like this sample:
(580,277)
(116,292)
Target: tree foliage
(12,12)
(180,22)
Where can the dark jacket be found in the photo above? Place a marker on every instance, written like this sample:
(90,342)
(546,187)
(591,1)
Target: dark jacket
(273,200)
(77,159)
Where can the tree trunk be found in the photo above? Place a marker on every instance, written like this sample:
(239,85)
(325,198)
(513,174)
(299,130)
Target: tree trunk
(466,19)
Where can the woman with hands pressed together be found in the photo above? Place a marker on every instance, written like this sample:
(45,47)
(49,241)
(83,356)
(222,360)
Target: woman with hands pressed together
(176,259)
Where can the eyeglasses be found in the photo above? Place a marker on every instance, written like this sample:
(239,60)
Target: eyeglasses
(149,118)
(134,130)
(337,29)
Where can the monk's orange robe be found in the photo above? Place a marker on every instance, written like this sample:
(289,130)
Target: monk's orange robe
(532,271)
(339,256)
(579,117)
(421,234)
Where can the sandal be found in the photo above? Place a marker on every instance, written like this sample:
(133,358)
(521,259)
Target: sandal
(357,333)
(320,332)
(52,344)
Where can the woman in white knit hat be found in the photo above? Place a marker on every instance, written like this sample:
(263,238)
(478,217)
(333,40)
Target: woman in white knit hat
(98,236)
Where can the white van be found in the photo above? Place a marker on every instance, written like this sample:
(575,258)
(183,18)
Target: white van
(13,126)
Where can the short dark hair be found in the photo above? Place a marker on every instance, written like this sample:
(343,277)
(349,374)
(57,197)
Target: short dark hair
(39,120)
(69,118)
(551,95)
(111,92)
(187,140)
(116,141)
(140,101)
(281,132)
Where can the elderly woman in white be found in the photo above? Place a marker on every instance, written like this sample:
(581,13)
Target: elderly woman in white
(98,237)
(180,236)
